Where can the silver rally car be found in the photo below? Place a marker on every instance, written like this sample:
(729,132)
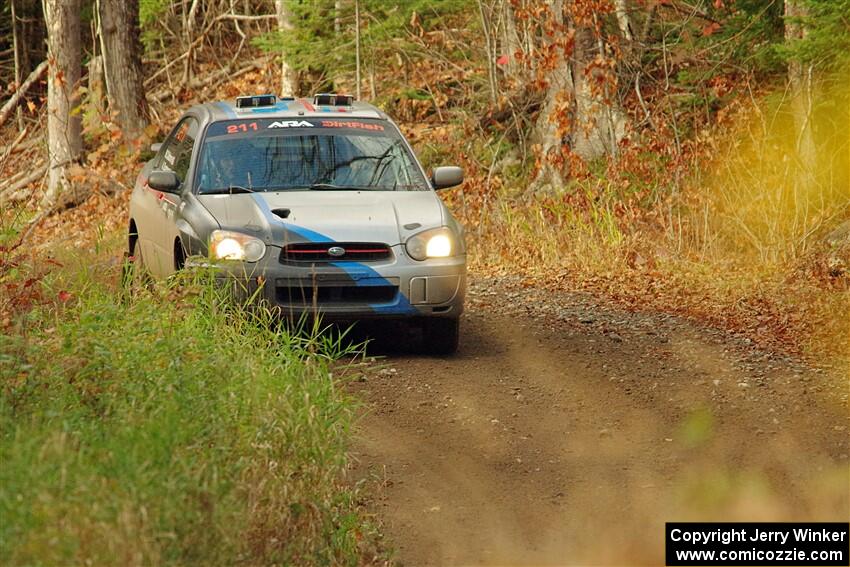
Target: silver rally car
(320,204)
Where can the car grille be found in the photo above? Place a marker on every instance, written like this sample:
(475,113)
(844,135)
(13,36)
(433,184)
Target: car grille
(317,252)
(324,295)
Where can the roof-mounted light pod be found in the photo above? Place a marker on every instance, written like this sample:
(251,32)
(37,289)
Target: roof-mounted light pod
(326,99)
(255,101)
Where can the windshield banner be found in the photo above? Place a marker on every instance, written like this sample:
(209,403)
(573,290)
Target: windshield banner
(230,127)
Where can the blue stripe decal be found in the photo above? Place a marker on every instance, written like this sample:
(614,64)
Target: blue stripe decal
(226,108)
(361,274)
(306,233)
(310,235)
(357,271)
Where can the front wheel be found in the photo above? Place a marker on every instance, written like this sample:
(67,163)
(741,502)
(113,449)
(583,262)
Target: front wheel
(134,273)
(441,335)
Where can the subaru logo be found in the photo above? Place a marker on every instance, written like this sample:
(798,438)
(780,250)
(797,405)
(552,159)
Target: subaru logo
(336,251)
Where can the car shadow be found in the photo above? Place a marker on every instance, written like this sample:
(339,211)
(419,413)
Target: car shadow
(403,339)
(381,338)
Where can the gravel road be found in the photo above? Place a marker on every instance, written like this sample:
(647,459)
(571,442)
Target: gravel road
(567,431)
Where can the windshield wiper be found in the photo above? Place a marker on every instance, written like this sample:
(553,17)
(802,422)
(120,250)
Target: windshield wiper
(332,187)
(228,190)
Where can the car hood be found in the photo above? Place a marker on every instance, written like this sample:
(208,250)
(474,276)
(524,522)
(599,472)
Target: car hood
(317,216)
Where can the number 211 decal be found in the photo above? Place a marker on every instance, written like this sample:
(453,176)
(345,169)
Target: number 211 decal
(237,128)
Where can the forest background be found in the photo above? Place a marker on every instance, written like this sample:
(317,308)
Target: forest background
(684,156)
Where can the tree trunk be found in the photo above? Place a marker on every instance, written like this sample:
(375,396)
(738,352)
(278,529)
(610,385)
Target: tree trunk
(554,119)
(800,83)
(511,40)
(288,77)
(357,47)
(96,99)
(31,31)
(122,54)
(373,83)
(188,35)
(599,122)
(624,20)
(577,111)
(64,142)
(491,52)
(337,16)
(16,47)
(33,34)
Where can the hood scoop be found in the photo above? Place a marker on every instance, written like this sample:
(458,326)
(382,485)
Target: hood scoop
(282,213)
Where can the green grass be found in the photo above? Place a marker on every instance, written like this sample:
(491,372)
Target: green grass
(175,428)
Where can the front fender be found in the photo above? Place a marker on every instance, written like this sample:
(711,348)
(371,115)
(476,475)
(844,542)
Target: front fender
(195,224)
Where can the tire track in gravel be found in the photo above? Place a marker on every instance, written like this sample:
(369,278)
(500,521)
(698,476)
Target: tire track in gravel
(566,432)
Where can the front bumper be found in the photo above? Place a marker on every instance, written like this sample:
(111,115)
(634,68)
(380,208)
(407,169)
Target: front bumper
(399,287)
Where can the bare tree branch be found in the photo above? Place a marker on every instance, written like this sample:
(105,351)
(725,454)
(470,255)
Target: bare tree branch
(13,102)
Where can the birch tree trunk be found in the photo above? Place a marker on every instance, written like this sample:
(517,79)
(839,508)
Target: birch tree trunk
(62,18)
(122,53)
(800,83)
(288,77)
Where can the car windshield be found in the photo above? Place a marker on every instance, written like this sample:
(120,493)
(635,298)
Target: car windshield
(277,155)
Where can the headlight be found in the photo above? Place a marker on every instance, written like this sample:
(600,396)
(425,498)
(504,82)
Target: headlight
(229,245)
(434,243)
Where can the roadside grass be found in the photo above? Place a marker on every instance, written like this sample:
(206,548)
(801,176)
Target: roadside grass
(170,427)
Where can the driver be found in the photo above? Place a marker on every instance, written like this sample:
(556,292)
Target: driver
(222,165)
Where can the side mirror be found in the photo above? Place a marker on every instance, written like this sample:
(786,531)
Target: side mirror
(166,181)
(445,177)
(156,147)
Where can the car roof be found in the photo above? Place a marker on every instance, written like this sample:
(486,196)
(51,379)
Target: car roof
(286,108)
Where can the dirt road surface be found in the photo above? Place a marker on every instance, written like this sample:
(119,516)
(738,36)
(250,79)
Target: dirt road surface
(566,432)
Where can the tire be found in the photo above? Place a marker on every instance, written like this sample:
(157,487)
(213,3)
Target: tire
(440,335)
(134,274)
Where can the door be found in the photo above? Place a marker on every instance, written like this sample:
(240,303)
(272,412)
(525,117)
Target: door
(176,156)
